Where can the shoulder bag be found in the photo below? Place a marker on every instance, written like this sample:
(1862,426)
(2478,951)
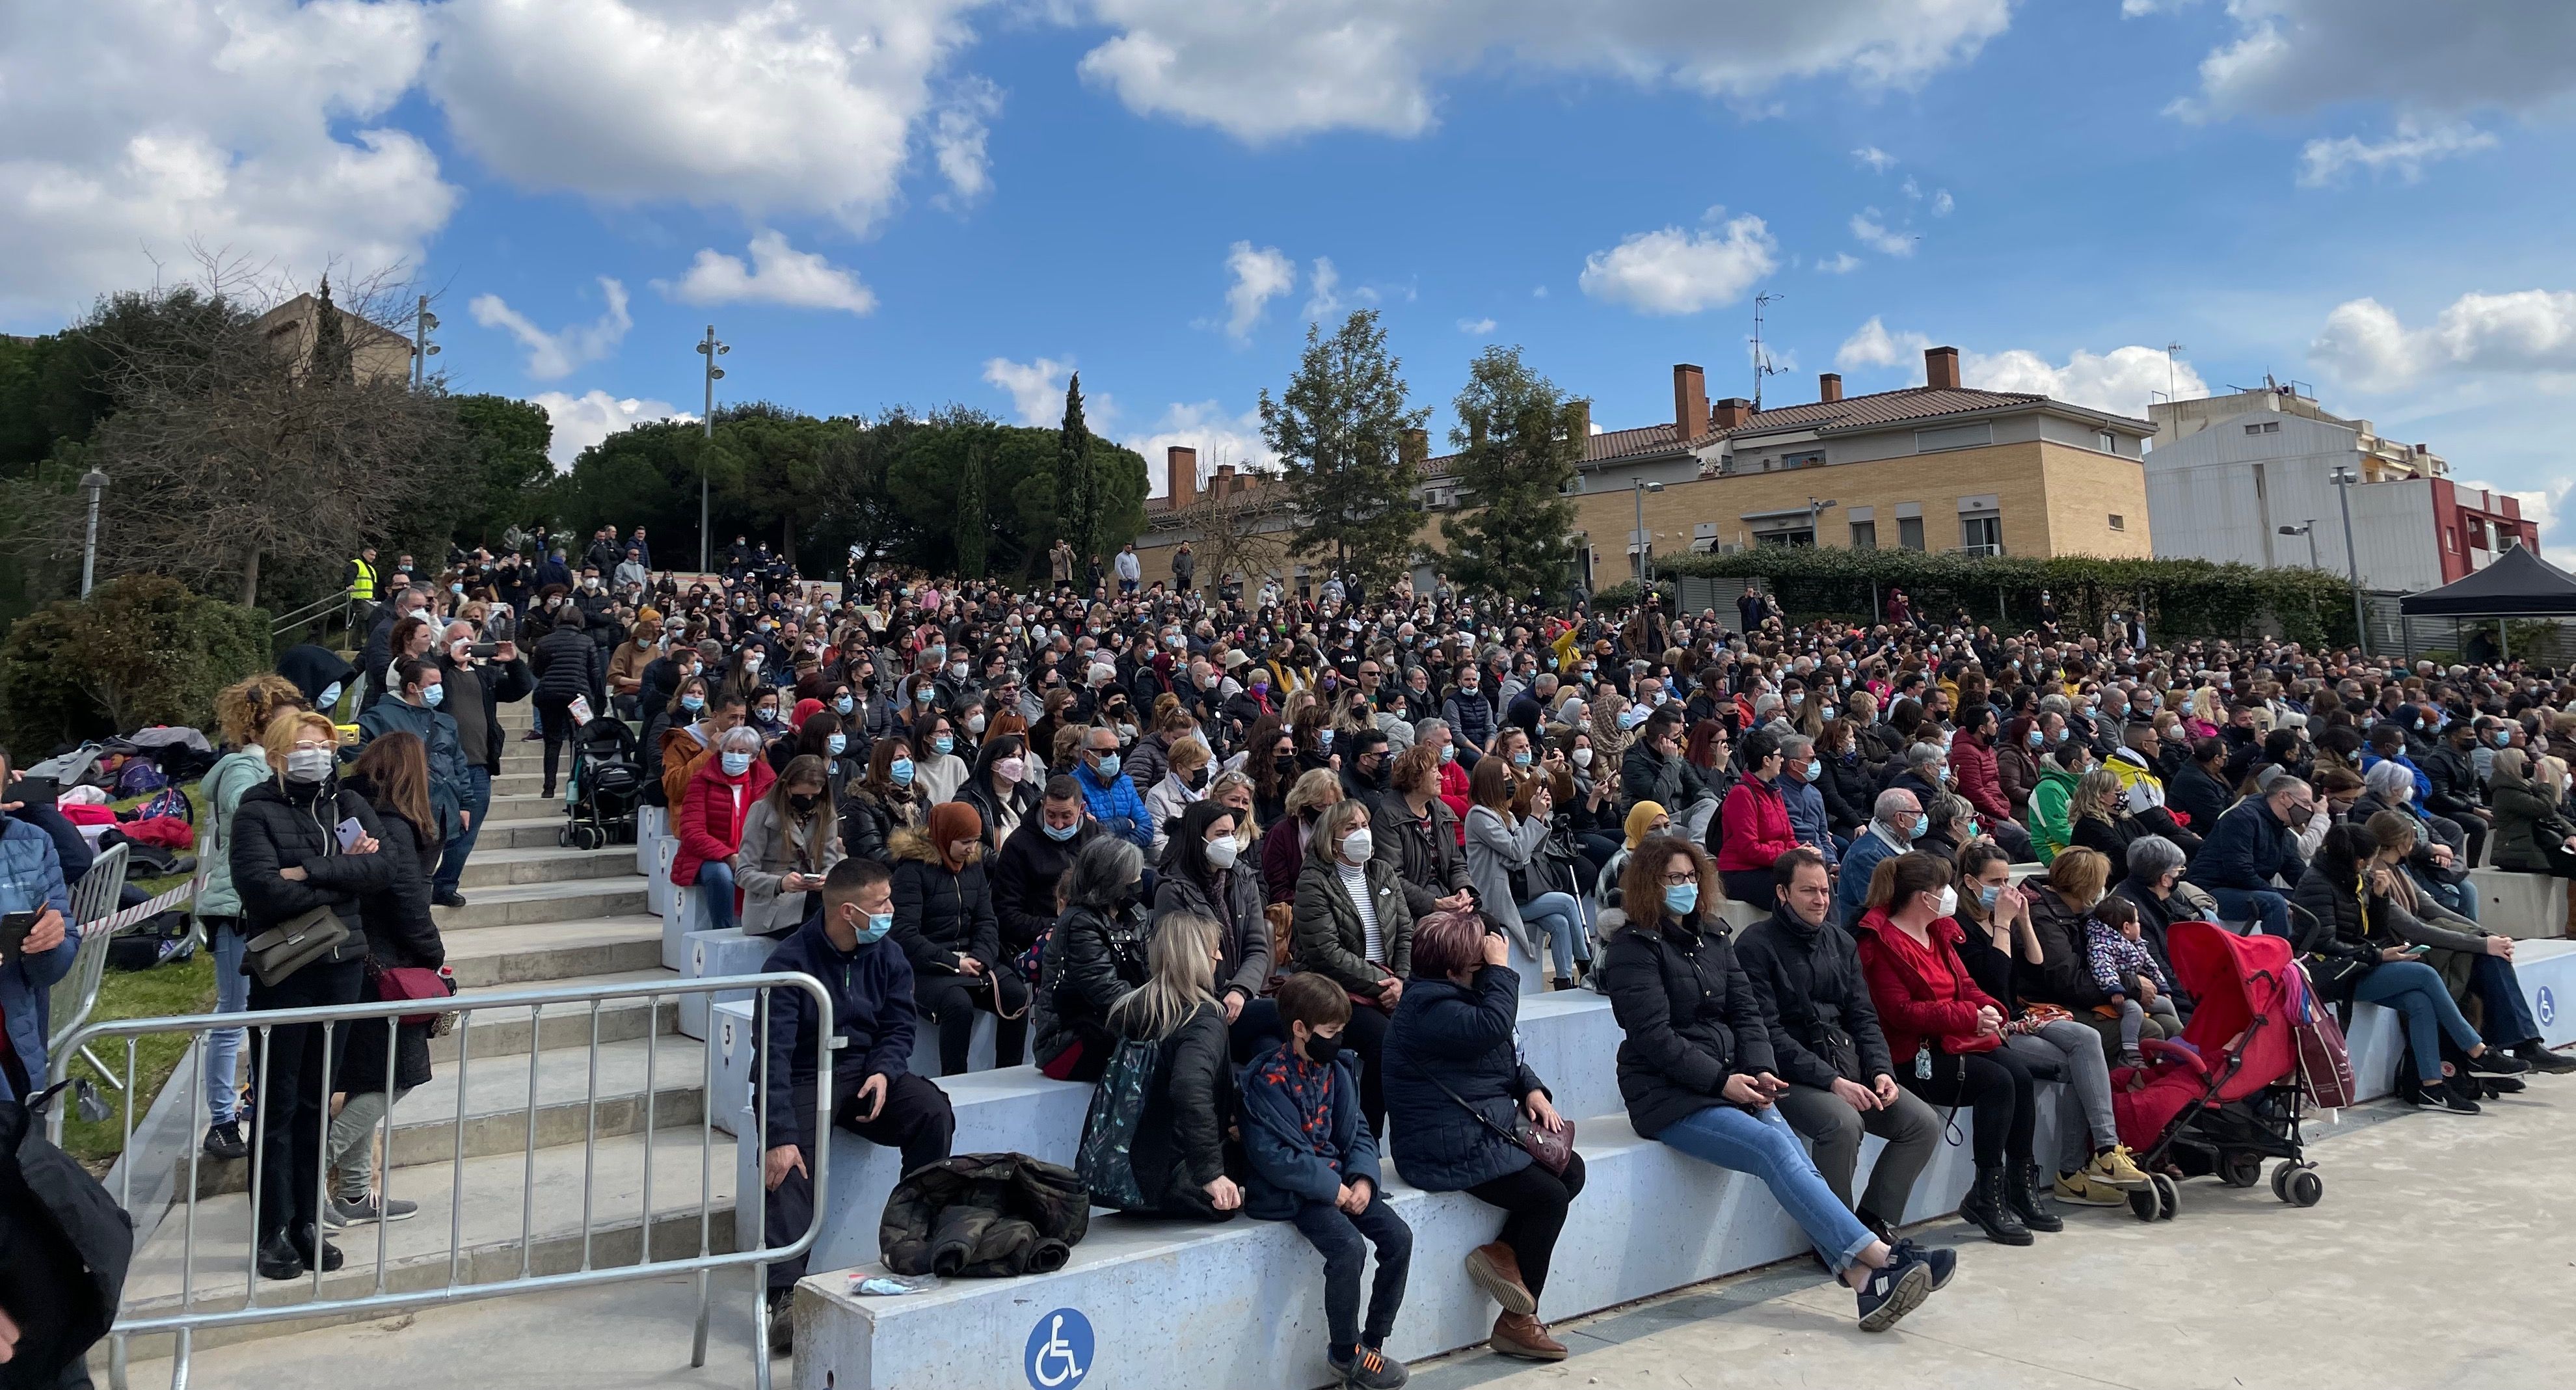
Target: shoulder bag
(291,945)
(1551,1149)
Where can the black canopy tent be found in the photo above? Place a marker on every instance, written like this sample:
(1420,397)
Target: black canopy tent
(2519,584)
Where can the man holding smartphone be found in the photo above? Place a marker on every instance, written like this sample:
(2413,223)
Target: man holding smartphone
(32,894)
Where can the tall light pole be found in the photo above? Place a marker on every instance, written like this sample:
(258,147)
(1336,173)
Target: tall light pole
(1815,511)
(1642,545)
(93,482)
(2308,528)
(709,349)
(2343,478)
(422,349)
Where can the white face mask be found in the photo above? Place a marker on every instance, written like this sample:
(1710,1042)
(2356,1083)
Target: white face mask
(1357,846)
(1221,852)
(1949,904)
(1583,757)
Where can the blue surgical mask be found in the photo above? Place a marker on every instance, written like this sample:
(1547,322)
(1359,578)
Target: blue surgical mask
(736,764)
(434,696)
(2504,738)
(921,695)
(1987,895)
(1066,833)
(693,703)
(1324,739)
(901,771)
(1108,766)
(836,743)
(2035,738)
(842,704)
(1922,826)
(1680,898)
(1521,758)
(1448,753)
(329,697)
(876,926)
(942,744)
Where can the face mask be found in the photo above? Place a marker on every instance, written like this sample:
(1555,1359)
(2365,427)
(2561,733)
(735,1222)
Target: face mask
(693,703)
(901,771)
(1321,1049)
(751,663)
(874,926)
(836,743)
(1987,895)
(802,801)
(1922,826)
(736,764)
(2035,738)
(1221,852)
(330,696)
(974,723)
(1357,846)
(1949,900)
(1582,757)
(1827,711)
(1324,740)
(942,744)
(309,764)
(1108,766)
(432,696)
(1012,769)
(842,704)
(1059,835)
(921,695)
(2504,738)
(1680,898)
(768,714)
(957,670)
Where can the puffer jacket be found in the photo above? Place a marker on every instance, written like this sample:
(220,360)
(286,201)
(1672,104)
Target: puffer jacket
(1234,904)
(29,863)
(221,792)
(984,1216)
(1755,827)
(283,825)
(400,933)
(2017,771)
(1848,791)
(1092,958)
(1973,773)
(566,664)
(2524,821)
(1923,997)
(1689,1013)
(708,824)
(1808,979)
(1463,1037)
(1427,860)
(1330,937)
(941,913)
(446,756)
(2049,831)
(1180,1139)
(870,822)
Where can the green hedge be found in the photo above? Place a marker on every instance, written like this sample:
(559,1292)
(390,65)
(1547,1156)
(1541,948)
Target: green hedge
(138,651)
(2182,599)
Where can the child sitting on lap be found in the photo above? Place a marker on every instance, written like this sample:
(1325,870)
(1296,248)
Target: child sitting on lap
(2127,970)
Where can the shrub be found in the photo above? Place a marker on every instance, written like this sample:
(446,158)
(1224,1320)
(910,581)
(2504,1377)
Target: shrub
(138,651)
(1625,594)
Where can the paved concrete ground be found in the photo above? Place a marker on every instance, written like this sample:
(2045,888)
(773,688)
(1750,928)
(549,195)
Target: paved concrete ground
(2471,1214)
(2422,1212)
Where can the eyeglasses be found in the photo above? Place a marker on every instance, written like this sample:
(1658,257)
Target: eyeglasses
(1677,880)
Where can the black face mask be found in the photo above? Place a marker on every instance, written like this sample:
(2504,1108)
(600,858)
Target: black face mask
(1322,1050)
(1285,765)
(802,801)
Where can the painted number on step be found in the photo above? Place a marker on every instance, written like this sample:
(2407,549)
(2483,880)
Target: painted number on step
(1059,1351)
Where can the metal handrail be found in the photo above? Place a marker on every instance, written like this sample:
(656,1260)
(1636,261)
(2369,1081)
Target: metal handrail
(322,607)
(184,1324)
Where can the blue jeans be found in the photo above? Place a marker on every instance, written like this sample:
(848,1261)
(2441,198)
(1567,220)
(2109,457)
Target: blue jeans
(1560,919)
(224,940)
(715,889)
(1764,1146)
(2416,990)
(2269,909)
(2506,1015)
(2461,897)
(478,804)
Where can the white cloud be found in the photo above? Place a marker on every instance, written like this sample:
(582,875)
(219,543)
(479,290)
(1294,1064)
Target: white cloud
(767,108)
(1323,286)
(2300,55)
(1874,159)
(957,135)
(1206,427)
(1843,263)
(2118,381)
(1261,70)
(1873,346)
(1475,328)
(583,420)
(778,274)
(1870,232)
(552,356)
(2528,331)
(1673,271)
(2404,153)
(1913,191)
(255,127)
(1036,388)
(1538,292)
(1943,204)
(1259,277)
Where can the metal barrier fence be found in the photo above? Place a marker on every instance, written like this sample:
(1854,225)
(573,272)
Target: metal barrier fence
(188,1319)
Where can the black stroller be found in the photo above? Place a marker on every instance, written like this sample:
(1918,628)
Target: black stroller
(607,785)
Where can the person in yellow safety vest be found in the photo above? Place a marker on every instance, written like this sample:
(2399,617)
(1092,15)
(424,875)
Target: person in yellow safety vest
(361,581)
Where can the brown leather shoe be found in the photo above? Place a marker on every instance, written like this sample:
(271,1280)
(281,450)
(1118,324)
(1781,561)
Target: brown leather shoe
(1519,1334)
(1497,1271)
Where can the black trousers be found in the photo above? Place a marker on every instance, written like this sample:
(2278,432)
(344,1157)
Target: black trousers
(915,1119)
(951,1002)
(1996,1088)
(554,717)
(1344,1241)
(1534,1202)
(1750,886)
(295,1104)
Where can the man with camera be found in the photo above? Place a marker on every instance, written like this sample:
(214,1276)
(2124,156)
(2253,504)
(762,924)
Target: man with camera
(481,677)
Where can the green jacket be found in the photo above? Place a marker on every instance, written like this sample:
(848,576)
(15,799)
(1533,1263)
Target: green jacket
(2524,820)
(2048,827)
(221,792)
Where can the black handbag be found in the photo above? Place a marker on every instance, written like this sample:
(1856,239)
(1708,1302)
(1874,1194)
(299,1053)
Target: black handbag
(294,944)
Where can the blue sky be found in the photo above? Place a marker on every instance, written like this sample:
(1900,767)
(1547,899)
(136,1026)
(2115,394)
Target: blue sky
(924,201)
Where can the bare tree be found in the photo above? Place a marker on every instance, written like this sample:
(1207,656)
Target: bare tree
(237,444)
(1245,532)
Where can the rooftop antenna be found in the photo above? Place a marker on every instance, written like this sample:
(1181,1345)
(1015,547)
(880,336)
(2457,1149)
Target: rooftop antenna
(1761,364)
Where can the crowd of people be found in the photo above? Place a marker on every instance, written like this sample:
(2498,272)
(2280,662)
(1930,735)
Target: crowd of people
(1308,844)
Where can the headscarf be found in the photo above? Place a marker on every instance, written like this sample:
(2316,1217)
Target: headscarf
(804,708)
(1640,816)
(950,822)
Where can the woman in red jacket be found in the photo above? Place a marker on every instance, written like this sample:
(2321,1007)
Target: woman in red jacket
(1753,826)
(1947,1036)
(712,811)
(1974,773)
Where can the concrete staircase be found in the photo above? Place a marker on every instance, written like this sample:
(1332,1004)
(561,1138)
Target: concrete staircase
(537,914)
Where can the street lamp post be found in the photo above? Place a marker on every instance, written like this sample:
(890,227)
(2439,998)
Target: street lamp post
(2307,528)
(2343,480)
(93,482)
(422,349)
(709,349)
(1641,544)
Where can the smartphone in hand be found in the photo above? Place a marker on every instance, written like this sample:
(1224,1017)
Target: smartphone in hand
(351,832)
(14,929)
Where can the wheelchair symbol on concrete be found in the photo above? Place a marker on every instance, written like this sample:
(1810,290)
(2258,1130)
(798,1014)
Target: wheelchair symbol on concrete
(1059,1351)
(2548,1009)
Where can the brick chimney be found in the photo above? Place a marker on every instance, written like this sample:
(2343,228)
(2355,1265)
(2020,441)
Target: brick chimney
(1414,449)
(1829,386)
(1941,368)
(1183,461)
(1690,400)
(1731,412)
(1224,484)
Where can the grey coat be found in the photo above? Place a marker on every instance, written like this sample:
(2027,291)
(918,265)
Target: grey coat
(767,911)
(1497,852)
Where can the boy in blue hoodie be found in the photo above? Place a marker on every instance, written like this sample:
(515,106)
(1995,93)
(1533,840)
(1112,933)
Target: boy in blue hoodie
(1314,1163)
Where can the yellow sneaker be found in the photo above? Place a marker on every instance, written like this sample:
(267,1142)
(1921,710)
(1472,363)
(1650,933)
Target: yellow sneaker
(2116,1168)
(2079,1189)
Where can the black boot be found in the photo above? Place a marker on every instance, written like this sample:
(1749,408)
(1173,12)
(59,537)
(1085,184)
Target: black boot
(2542,1059)
(278,1260)
(1986,1209)
(303,1239)
(2021,1193)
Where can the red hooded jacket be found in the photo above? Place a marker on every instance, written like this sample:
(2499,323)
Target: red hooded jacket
(1922,993)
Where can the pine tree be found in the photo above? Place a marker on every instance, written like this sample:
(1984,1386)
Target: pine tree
(331,363)
(1077,503)
(1338,429)
(1518,447)
(971,520)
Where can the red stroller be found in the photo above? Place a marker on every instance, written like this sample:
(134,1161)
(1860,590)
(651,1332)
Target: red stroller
(2229,1096)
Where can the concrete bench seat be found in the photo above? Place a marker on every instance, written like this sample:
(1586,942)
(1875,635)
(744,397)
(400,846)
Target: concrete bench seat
(2521,905)
(2376,1041)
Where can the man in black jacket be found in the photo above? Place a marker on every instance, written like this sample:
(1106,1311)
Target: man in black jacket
(1826,1040)
(875,1094)
(2456,791)
(1033,858)
(476,690)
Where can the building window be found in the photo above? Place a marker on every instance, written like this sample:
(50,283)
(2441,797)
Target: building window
(1981,535)
(1798,539)
(1909,532)
(2106,441)
(1864,535)
(1813,458)
(2265,427)
(1954,437)
(2119,522)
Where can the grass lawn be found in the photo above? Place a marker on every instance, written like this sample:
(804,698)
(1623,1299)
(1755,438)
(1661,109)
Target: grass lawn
(163,991)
